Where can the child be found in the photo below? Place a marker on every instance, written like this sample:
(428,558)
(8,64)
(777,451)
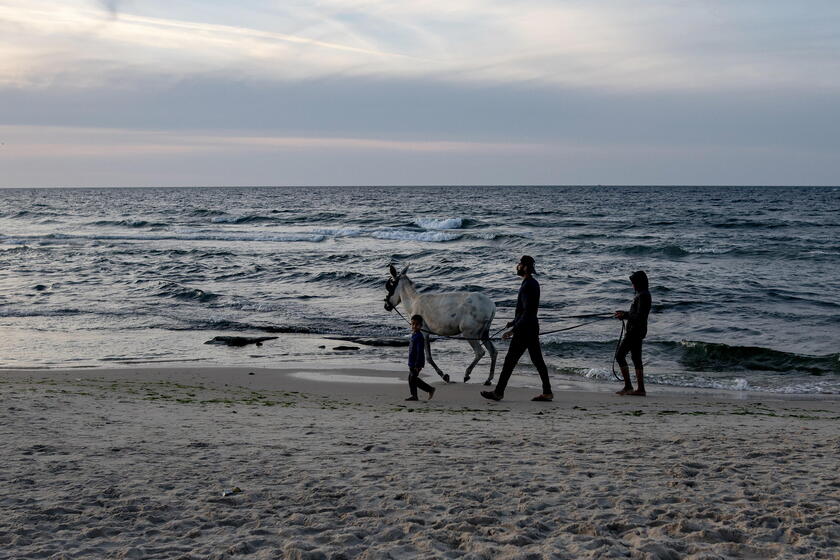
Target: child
(637,319)
(416,360)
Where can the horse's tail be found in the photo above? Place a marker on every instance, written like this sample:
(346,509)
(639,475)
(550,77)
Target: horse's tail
(485,330)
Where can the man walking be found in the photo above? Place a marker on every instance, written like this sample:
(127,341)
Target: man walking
(525,331)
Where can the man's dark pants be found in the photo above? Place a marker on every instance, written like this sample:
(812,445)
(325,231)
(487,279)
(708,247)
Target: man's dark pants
(518,345)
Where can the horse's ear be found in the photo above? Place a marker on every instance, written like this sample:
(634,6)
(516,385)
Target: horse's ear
(405,270)
(393,270)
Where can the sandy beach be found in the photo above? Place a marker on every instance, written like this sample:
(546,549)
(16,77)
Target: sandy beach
(314,463)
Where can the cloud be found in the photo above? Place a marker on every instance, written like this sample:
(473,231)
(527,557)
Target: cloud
(50,156)
(547,91)
(111,6)
(33,141)
(415,109)
(629,45)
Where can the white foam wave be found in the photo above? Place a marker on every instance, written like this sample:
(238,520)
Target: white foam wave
(740,384)
(188,234)
(402,235)
(339,232)
(439,223)
(734,384)
(256,307)
(737,384)
(392,234)
(598,373)
(708,250)
(809,388)
(276,237)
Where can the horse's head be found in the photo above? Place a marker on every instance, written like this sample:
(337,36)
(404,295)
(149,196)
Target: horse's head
(392,298)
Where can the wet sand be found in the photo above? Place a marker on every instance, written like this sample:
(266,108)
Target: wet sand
(133,463)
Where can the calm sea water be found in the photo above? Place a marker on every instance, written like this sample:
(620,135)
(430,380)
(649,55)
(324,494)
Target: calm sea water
(744,279)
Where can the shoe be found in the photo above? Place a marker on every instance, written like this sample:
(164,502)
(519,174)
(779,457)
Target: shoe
(545,397)
(491,395)
(431,393)
(412,399)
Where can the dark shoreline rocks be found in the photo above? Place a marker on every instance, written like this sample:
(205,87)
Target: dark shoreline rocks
(240,340)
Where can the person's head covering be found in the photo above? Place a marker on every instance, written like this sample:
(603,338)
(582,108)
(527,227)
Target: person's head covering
(640,280)
(528,262)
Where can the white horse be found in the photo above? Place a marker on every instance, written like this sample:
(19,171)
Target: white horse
(446,314)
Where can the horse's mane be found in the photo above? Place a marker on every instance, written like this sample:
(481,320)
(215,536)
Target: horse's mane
(409,283)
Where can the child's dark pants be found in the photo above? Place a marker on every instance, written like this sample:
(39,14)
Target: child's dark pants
(414,382)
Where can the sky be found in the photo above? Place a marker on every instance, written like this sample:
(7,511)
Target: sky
(419,92)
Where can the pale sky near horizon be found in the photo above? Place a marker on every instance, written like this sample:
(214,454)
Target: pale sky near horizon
(356,92)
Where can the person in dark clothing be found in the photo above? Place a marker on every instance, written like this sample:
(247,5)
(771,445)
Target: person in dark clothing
(416,360)
(637,319)
(525,332)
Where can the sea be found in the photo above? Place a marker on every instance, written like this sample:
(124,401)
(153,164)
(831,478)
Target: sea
(745,280)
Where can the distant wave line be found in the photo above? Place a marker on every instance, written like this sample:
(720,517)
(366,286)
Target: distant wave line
(314,236)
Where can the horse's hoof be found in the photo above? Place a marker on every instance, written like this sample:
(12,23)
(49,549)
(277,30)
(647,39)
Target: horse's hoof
(446,378)
(488,383)
(466,378)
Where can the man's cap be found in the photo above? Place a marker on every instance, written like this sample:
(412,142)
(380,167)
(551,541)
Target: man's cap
(528,262)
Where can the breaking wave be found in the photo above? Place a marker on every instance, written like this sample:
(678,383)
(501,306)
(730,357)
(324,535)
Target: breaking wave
(439,223)
(404,235)
(715,356)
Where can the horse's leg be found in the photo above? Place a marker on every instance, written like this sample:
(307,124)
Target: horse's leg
(431,361)
(493,354)
(479,353)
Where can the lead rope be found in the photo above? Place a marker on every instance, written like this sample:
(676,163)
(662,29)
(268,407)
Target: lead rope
(617,346)
(600,316)
(575,326)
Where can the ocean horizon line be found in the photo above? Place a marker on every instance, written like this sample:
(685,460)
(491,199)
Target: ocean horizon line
(435,185)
